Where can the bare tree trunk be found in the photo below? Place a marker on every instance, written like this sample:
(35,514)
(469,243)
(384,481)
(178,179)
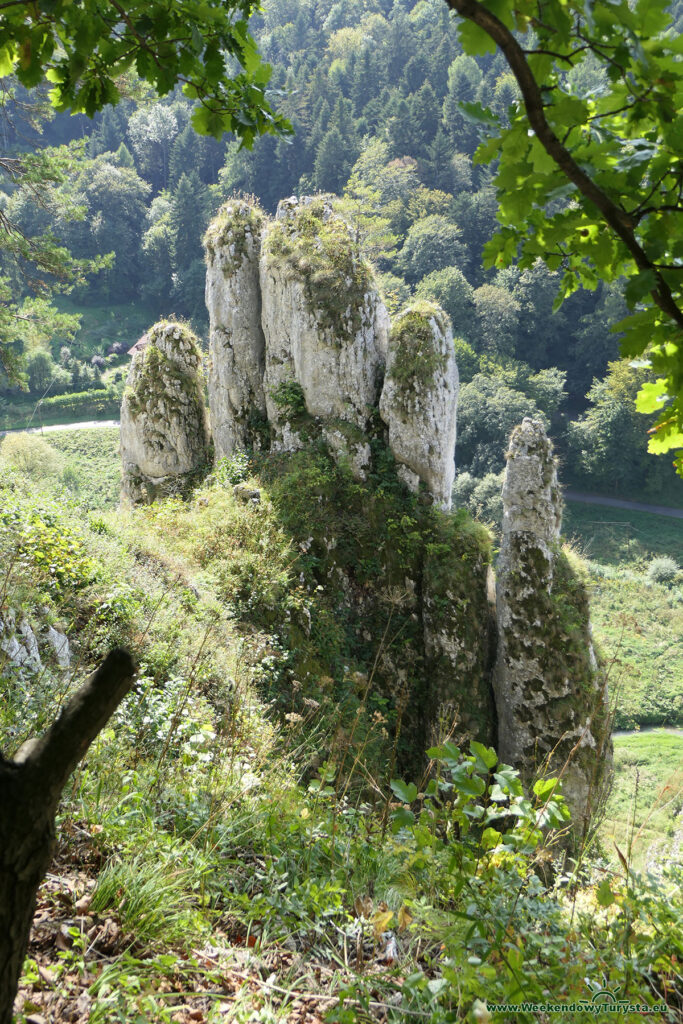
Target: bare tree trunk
(30,788)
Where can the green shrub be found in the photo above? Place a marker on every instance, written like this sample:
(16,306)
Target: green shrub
(663,570)
(98,403)
(233,469)
(30,455)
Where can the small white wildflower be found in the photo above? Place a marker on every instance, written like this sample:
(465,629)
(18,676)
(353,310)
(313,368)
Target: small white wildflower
(480,1012)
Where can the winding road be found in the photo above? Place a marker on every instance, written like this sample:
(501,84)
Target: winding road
(632,506)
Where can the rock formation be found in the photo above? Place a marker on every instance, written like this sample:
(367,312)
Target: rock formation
(307,344)
(550,697)
(237,347)
(304,363)
(325,327)
(164,434)
(21,642)
(420,399)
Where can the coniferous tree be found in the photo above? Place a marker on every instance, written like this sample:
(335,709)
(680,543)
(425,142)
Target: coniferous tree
(436,165)
(332,164)
(108,134)
(187,220)
(425,117)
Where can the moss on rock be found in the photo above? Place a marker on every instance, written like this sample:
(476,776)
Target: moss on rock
(232,231)
(416,354)
(386,572)
(317,247)
(164,432)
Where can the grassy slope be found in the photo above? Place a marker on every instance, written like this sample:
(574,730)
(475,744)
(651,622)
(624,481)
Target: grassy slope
(191,801)
(618,537)
(645,805)
(638,625)
(93,456)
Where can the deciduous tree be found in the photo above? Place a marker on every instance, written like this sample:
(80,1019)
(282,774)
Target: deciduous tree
(592,181)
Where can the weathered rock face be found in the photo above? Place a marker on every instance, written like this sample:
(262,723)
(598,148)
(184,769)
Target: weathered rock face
(237,345)
(298,331)
(324,324)
(420,399)
(164,434)
(550,695)
(21,642)
(458,623)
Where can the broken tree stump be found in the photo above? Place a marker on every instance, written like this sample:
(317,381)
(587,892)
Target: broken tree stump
(30,787)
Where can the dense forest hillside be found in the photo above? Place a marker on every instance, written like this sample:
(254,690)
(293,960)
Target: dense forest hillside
(373,92)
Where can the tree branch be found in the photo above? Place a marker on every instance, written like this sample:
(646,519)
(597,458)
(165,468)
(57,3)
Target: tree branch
(617,218)
(49,760)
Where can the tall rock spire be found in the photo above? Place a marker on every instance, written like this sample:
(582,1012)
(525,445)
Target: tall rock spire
(164,433)
(550,693)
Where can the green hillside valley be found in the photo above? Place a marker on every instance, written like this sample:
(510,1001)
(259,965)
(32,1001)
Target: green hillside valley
(341,512)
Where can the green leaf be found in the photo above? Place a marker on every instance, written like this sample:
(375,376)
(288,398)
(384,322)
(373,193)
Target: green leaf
(604,894)
(639,286)
(485,754)
(402,817)
(446,752)
(652,396)
(544,787)
(468,785)
(508,779)
(490,838)
(669,437)
(405,791)
(480,115)
(475,40)
(7,60)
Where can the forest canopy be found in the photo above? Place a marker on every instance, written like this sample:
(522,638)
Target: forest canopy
(426,147)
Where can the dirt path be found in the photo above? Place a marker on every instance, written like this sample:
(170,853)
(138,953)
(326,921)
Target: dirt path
(631,506)
(86,425)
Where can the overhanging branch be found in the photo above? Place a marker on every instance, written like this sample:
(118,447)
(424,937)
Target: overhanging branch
(617,218)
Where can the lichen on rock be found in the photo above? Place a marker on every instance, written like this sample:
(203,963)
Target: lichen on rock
(164,432)
(550,692)
(420,399)
(311,244)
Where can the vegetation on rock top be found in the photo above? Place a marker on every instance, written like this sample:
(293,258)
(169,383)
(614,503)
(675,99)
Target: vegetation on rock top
(318,248)
(416,353)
